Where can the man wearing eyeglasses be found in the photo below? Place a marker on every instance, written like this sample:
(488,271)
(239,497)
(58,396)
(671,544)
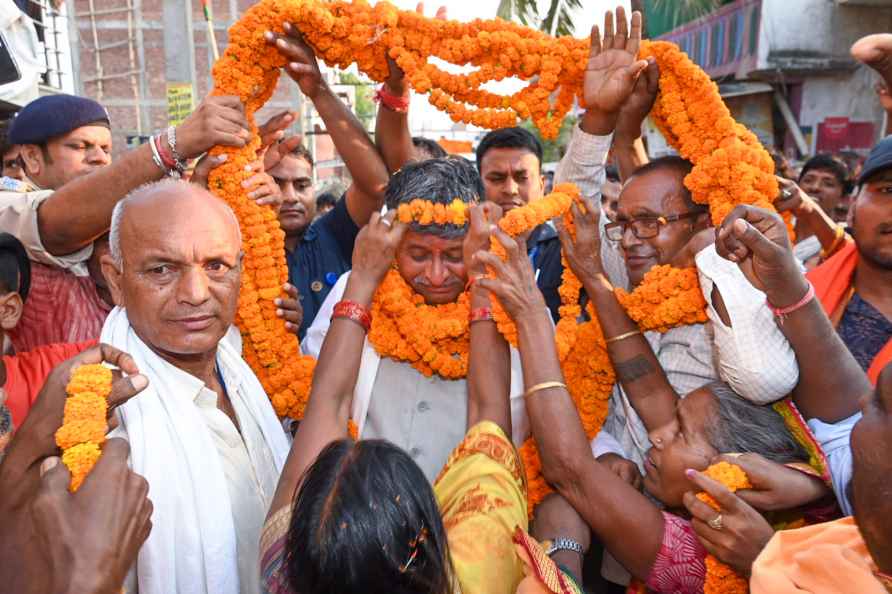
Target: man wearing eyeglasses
(658,223)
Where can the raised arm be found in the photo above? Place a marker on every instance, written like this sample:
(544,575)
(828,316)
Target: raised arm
(337,367)
(757,241)
(366,195)
(629,525)
(489,366)
(636,366)
(80,211)
(628,146)
(392,135)
(808,211)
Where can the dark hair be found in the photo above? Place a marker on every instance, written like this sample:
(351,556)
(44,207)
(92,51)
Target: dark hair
(518,138)
(831,164)
(429,147)
(365,520)
(680,167)
(438,181)
(15,267)
(302,152)
(612,173)
(744,426)
(326,199)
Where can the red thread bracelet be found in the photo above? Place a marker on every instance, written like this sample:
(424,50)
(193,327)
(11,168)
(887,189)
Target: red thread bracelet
(391,101)
(353,311)
(482,314)
(782,312)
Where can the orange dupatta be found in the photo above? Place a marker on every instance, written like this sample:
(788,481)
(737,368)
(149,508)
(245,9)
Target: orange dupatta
(833,287)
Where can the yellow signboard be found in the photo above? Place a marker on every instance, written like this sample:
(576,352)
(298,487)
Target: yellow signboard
(179,102)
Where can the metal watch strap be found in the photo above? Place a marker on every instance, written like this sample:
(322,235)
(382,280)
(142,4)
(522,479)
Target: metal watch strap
(564,544)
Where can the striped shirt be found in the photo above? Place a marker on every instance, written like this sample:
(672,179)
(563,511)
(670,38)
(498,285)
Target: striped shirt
(61,308)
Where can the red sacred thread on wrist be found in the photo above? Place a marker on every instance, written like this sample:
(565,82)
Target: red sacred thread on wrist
(353,311)
(482,314)
(399,104)
(164,152)
(782,312)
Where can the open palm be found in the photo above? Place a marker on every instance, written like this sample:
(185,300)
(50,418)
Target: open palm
(613,66)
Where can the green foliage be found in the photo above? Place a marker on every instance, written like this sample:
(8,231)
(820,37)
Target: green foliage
(365,104)
(527,13)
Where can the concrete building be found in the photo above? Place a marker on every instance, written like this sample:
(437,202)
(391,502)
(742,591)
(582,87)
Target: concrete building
(136,56)
(785,70)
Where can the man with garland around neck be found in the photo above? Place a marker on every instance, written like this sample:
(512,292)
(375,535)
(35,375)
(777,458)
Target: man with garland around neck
(424,413)
(658,224)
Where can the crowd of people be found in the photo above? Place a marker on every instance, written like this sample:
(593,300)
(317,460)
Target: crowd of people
(201,489)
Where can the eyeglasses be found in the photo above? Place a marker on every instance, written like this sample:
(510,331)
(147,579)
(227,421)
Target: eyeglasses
(645,227)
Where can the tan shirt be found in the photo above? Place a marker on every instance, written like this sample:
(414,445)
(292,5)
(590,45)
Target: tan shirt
(18,216)
(425,416)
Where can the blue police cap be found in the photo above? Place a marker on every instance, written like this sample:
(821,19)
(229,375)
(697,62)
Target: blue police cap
(55,115)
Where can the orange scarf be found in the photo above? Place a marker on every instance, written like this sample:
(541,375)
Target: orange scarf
(833,287)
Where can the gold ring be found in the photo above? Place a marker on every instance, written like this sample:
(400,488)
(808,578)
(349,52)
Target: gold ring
(716,522)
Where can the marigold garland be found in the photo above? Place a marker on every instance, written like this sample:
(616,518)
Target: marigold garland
(666,297)
(84,422)
(425,212)
(721,579)
(730,168)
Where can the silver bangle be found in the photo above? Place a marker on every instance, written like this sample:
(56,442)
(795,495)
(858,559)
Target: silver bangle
(172,142)
(155,156)
(564,544)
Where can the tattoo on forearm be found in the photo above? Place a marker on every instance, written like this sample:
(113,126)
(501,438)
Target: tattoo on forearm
(633,369)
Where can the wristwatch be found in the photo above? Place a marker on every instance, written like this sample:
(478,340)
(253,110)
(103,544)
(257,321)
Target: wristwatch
(564,544)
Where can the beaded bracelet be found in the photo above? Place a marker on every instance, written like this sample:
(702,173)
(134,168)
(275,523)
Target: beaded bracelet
(353,311)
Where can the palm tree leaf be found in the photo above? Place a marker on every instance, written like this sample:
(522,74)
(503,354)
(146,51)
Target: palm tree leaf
(564,24)
(524,11)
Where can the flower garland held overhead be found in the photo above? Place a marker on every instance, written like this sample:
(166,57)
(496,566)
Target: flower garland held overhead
(84,422)
(721,579)
(343,33)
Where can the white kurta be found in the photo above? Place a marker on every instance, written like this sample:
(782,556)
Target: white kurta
(210,485)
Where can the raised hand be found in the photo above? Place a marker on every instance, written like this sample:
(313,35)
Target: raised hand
(261,186)
(757,241)
(91,538)
(218,120)
(273,130)
(290,310)
(583,253)
(613,67)
(515,282)
(775,486)
(484,218)
(633,112)
(275,153)
(302,65)
(375,249)
(743,532)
